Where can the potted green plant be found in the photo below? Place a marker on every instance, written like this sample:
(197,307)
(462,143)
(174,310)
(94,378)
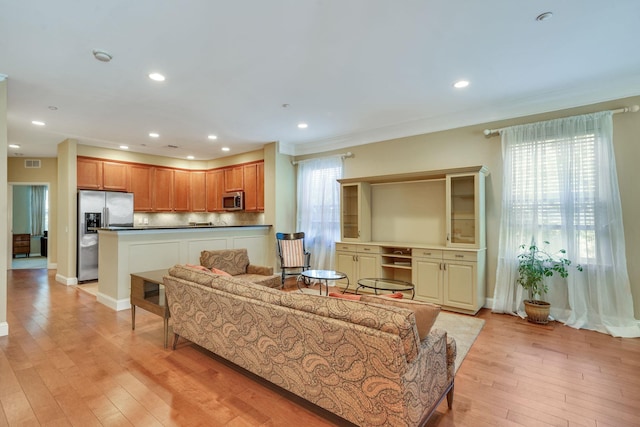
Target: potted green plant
(535,264)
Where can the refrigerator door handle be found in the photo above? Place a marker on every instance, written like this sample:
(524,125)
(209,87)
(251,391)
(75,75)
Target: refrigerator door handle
(105,217)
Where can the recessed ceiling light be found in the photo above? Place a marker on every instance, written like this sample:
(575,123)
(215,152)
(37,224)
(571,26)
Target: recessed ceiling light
(37,122)
(461,84)
(544,16)
(124,147)
(302,125)
(102,56)
(226,148)
(190,157)
(212,137)
(14,146)
(154,135)
(157,77)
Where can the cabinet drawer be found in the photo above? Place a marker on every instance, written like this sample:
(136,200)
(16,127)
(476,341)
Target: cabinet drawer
(368,249)
(345,247)
(460,256)
(427,253)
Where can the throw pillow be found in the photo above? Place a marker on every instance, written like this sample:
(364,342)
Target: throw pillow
(397,295)
(345,296)
(219,272)
(425,312)
(198,267)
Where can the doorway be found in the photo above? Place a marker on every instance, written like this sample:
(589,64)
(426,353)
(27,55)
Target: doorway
(29,219)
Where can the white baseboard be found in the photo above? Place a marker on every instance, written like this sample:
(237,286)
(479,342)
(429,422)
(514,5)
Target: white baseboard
(4,329)
(112,303)
(66,280)
(488,303)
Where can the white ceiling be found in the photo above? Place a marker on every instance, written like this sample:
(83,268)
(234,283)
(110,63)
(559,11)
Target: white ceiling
(357,71)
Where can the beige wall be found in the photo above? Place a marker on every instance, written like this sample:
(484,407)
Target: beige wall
(4,232)
(48,173)
(468,146)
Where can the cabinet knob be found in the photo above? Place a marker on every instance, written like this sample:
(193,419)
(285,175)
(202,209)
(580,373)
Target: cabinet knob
(366,249)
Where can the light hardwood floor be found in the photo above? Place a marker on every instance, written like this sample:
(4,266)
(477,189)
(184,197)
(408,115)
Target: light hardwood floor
(71,361)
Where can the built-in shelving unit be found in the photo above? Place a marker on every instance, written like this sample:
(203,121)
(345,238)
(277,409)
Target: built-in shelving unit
(440,220)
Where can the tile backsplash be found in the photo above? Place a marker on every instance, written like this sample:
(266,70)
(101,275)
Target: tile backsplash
(217,219)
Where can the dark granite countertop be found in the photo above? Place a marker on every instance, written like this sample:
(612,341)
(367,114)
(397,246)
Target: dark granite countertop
(178,227)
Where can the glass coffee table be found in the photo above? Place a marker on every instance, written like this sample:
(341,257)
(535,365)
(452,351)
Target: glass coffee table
(393,285)
(327,275)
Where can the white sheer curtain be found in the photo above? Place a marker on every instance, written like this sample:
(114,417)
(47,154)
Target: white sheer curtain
(560,185)
(38,207)
(319,208)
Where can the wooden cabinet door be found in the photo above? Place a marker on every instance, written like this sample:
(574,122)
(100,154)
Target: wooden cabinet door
(89,173)
(260,187)
(198,193)
(214,188)
(115,176)
(181,190)
(250,173)
(140,186)
(233,179)
(162,190)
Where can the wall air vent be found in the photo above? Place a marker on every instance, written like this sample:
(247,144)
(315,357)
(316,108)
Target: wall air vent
(32,163)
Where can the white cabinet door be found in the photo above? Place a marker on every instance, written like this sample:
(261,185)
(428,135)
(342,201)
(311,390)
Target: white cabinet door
(345,263)
(428,280)
(460,288)
(367,266)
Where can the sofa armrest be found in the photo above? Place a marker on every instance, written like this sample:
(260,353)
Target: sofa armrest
(451,357)
(259,269)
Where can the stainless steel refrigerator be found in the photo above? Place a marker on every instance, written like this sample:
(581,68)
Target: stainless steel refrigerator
(98,209)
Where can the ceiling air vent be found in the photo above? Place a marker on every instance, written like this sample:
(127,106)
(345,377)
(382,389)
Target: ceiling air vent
(32,163)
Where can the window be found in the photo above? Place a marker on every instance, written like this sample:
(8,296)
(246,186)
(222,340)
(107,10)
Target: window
(540,179)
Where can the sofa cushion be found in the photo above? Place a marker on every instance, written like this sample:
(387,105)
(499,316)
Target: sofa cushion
(218,271)
(425,312)
(352,297)
(233,261)
(238,286)
(393,320)
(272,281)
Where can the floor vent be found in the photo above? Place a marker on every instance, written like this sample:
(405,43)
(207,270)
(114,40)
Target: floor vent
(32,163)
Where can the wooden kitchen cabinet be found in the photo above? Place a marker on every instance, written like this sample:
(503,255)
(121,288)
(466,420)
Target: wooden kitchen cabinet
(234,178)
(253,176)
(140,186)
(198,192)
(181,190)
(260,187)
(215,189)
(162,189)
(89,173)
(115,176)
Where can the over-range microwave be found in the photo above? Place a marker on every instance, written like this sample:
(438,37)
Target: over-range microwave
(233,201)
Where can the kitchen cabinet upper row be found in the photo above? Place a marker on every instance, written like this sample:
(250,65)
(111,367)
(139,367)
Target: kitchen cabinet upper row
(162,189)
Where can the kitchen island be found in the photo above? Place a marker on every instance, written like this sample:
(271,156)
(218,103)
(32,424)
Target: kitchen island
(126,250)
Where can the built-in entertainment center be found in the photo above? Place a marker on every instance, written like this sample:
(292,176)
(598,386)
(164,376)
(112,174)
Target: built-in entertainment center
(427,228)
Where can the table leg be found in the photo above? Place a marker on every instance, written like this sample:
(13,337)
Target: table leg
(133,317)
(166,331)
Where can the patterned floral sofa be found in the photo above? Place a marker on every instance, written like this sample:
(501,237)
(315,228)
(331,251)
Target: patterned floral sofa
(362,361)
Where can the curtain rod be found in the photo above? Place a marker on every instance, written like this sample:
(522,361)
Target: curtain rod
(633,109)
(342,156)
